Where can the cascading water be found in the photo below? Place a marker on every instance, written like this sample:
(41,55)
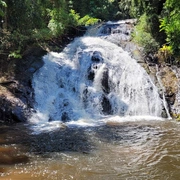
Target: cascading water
(91,80)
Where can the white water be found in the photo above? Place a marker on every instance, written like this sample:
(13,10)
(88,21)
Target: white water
(92,81)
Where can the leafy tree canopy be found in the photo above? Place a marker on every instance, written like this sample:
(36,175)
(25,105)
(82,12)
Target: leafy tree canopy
(26,21)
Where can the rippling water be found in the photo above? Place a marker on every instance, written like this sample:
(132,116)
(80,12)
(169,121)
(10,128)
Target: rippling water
(133,150)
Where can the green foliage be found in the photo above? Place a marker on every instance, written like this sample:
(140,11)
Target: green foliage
(23,15)
(143,37)
(104,9)
(138,7)
(74,17)
(41,20)
(13,42)
(170,23)
(87,20)
(134,8)
(124,8)
(29,21)
(59,18)
(165,53)
(176,116)
(101,9)
(56,27)
(41,34)
(76,20)
(15,54)
(2,4)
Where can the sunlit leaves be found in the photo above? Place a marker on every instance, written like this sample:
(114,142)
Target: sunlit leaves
(170,23)
(143,37)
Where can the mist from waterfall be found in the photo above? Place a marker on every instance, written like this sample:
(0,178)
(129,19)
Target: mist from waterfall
(93,80)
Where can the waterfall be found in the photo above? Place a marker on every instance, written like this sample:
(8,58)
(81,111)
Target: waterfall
(92,79)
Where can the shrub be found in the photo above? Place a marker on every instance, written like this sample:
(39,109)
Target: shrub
(76,20)
(165,54)
(171,25)
(142,35)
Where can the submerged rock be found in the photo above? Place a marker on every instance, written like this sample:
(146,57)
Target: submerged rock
(105,81)
(10,155)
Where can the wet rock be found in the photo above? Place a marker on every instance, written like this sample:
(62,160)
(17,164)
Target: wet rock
(16,97)
(151,58)
(65,117)
(171,98)
(151,64)
(105,82)
(12,110)
(91,74)
(164,114)
(32,70)
(170,83)
(106,105)
(96,57)
(50,119)
(108,29)
(136,53)
(85,96)
(74,89)
(18,114)
(65,102)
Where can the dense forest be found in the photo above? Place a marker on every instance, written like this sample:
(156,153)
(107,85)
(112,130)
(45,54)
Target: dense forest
(25,23)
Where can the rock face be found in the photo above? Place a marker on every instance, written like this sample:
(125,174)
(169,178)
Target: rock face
(16,93)
(171,82)
(106,106)
(167,80)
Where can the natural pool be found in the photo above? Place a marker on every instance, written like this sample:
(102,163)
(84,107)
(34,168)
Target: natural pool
(127,150)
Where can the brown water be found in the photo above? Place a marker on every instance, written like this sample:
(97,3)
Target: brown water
(137,150)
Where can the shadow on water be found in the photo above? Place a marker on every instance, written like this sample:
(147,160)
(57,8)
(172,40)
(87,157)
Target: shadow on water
(75,139)
(19,144)
(61,140)
(86,139)
(126,133)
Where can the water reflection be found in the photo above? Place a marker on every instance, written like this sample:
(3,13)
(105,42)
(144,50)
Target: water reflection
(136,150)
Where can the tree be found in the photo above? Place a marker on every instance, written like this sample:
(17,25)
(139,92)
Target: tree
(102,9)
